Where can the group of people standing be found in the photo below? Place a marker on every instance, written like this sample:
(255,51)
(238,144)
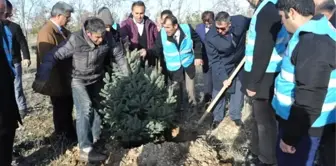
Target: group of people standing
(289,72)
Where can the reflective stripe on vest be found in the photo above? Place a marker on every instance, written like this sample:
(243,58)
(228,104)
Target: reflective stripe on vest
(176,58)
(285,82)
(8,48)
(280,45)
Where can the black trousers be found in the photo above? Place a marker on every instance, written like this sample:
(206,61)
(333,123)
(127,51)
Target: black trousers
(7,135)
(62,115)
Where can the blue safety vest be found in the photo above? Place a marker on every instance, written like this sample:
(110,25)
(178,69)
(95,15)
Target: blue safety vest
(115,26)
(8,48)
(176,58)
(285,83)
(279,48)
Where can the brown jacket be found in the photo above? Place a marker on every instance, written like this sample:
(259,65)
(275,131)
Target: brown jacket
(59,83)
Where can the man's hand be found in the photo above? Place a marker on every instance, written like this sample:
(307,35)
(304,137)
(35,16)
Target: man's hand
(198,62)
(250,93)
(287,148)
(143,52)
(227,83)
(26,62)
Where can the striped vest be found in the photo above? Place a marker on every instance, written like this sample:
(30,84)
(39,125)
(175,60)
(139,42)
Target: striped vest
(285,82)
(176,58)
(279,48)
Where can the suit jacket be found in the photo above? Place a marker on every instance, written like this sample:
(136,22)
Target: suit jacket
(200,29)
(225,52)
(48,38)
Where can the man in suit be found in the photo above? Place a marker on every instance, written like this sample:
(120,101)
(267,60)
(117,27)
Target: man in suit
(225,48)
(58,86)
(181,47)
(9,114)
(202,29)
(19,44)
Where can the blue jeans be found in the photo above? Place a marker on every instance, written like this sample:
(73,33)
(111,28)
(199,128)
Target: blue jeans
(88,120)
(19,95)
(304,155)
(235,107)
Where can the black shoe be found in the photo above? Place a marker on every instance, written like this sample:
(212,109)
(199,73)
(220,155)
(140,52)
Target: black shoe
(238,122)
(215,124)
(92,156)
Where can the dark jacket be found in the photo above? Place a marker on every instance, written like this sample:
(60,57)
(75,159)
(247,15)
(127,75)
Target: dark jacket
(200,29)
(225,52)
(268,26)
(9,112)
(48,38)
(87,58)
(314,59)
(129,29)
(333,19)
(178,75)
(19,42)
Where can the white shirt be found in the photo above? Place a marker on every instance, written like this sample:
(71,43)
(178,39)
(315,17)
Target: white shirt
(177,36)
(140,26)
(206,29)
(58,27)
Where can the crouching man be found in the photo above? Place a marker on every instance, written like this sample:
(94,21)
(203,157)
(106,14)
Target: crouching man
(181,47)
(88,49)
(305,89)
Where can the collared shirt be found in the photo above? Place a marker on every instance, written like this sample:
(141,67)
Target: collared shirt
(58,27)
(177,36)
(207,30)
(140,26)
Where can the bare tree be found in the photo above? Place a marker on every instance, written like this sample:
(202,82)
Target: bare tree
(79,6)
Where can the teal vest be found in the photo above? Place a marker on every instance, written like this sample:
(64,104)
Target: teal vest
(279,48)
(285,82)
(176,58)
(8,48)
(115,26)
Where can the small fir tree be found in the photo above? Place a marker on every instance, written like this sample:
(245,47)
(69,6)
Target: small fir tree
(137,108)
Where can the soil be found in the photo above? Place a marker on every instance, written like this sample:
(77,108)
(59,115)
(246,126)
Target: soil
(193,145)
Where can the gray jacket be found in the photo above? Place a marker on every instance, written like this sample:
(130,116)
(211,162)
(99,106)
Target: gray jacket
(87,58)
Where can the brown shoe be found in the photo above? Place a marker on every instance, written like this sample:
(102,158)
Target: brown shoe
(92,156)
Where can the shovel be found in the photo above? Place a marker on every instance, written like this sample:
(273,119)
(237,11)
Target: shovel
(214,101)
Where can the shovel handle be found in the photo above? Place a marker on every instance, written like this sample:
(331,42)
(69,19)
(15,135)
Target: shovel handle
(214,101)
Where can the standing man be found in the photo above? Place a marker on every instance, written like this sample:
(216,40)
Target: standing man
(181,47)
(58,86)
(87,49)
(326,7)
(225,49)
(202,29)
(305,90)
(266,42)
(9,113)
(140,30)
(19,44)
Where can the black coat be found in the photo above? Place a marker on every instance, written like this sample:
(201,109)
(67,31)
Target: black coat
(225,52)
(19,42)
(9,114)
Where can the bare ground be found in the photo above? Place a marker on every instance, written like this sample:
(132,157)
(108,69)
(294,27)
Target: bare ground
(195,146)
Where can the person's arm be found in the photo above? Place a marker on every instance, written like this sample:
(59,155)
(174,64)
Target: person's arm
(157,50)
(119,57)
(267,27)
(212,52)
(315,57)
(44,45)
(197,43)
(23,43)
